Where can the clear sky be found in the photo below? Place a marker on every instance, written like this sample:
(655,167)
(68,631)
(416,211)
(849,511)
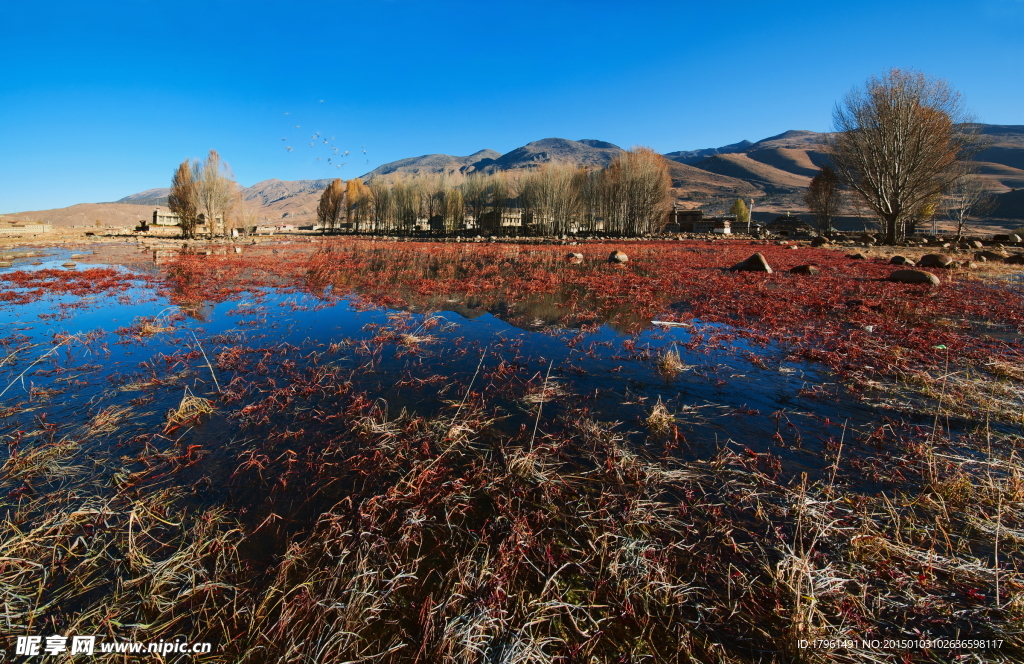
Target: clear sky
(103,99)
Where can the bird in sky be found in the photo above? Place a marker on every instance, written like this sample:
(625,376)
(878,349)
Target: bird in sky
(288,148)
(310,145)
(284,139)
(286,112)
(297,126)
(321,101)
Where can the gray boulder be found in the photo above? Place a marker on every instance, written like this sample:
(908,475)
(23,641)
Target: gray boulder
(805,269)
(618,257)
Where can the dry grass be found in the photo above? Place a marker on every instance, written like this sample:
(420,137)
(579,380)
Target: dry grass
(190,409)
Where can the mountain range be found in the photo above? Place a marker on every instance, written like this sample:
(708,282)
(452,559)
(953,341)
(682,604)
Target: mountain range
(774,171)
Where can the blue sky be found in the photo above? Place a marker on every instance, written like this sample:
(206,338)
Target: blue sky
(102,99)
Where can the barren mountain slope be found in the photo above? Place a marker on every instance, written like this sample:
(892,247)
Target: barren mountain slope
(1000,178)
(433,164)
(693,156)
(792,160)
(1009,205)
(744,168)
(86,214)
(688,180)
(799,139)
(585,152)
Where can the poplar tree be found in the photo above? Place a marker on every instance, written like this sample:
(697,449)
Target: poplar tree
(331,206)
(214,190)
(182,199)
(739,208)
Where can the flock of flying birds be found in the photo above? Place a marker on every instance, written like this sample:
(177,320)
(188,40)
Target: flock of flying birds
(336,157)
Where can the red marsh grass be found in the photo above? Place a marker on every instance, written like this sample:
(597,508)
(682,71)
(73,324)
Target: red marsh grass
(321,523)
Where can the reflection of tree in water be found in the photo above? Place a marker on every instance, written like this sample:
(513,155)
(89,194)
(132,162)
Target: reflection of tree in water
(570,305)
(184,278)
(528,288)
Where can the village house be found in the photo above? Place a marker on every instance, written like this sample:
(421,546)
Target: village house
(161,218)
(693,221)
(787,224)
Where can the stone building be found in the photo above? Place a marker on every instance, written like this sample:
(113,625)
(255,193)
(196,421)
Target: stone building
(161,218)
(25,228)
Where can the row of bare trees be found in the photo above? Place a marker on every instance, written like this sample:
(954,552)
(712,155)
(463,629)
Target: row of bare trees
(903,146)
(629,197)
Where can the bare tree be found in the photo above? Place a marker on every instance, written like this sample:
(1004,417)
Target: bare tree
(182,198)
(245,211)
(377,205)
(637,192)
(475,193)
(967,196)
(215,190)
(331,206)
(359,202)
(454,209)
(824,198)
(896,144)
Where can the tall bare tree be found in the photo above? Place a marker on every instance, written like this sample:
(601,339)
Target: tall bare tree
(359,201)
(475,193)
(454,209)
(637,192)
(377,205)
(824,198)
(245,211)
(331,206)
(182,198)
(215,191)
(896,144)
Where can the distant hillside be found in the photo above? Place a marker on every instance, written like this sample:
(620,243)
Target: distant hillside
(743,167)
(692,182)
(1009,205)
(693,156)
(295,200)
(87,214)
(151,197)
(586,153)
(433,164)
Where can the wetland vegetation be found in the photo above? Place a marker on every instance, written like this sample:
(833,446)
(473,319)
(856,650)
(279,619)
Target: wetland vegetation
(359,450)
